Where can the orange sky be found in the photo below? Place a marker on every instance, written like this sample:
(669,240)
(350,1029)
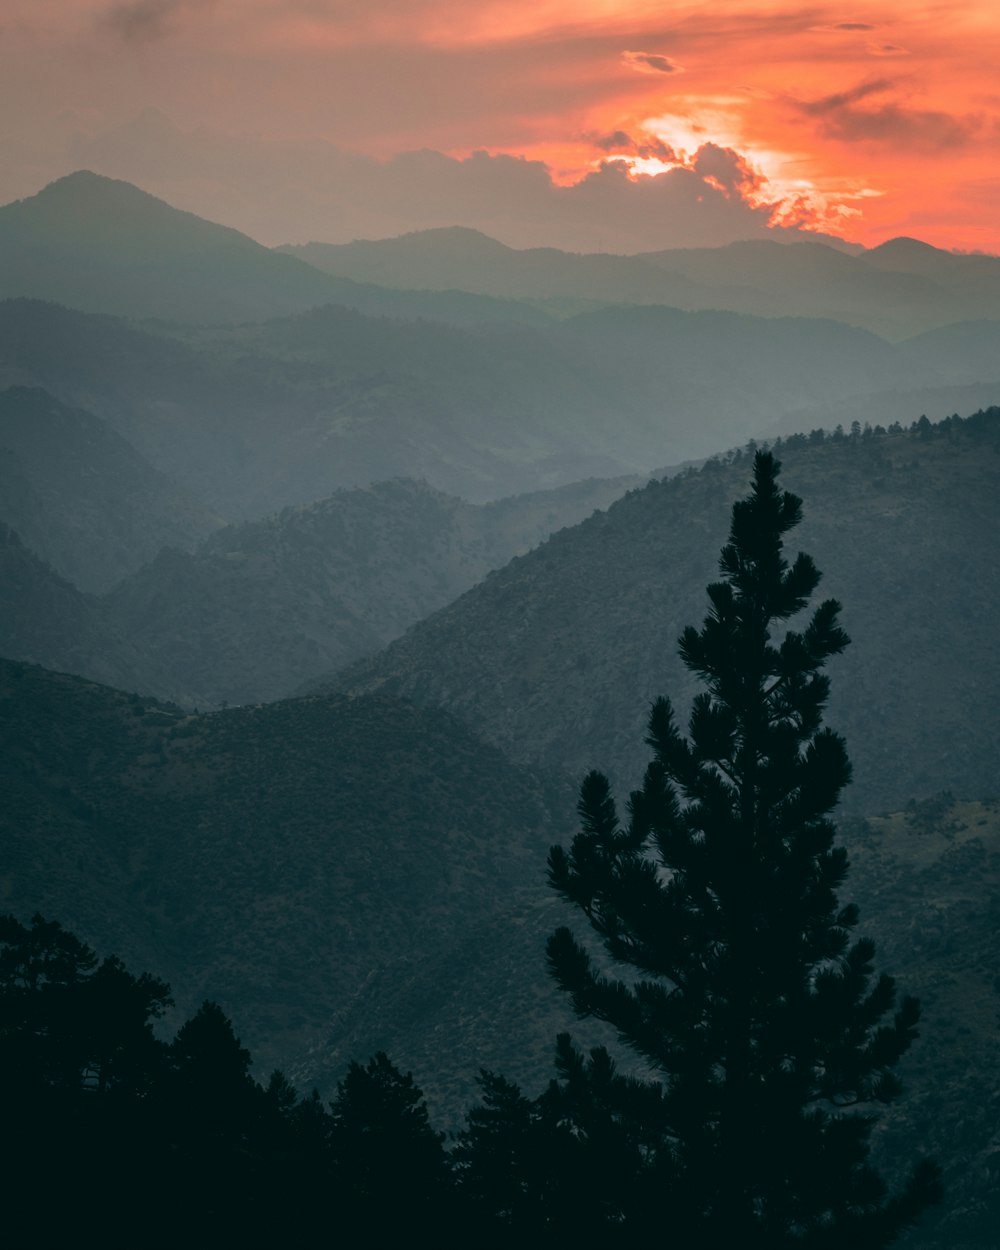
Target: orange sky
(865,119)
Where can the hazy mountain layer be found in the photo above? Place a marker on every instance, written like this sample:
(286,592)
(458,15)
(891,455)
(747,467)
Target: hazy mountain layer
(481,395)
(46,620)
(81,497)
(257,417)
(897,290)
(261,608)
(260,418)
(557,657)
(348,875)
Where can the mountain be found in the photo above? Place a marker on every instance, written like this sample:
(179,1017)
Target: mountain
(101,245)
(257,609)
(897,290)
(556,657)
(263,607)
(334,872)
(257,418)
(253,418)
(457,258)
(81,497)
(46,620)
(348,875)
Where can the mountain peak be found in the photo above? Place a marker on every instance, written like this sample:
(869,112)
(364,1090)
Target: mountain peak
(86,201)
(910,255)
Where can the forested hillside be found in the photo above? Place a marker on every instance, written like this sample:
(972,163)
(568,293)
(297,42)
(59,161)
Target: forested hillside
(557,657)
(324,868)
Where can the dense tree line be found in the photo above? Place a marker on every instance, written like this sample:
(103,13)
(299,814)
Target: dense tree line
(763,1034)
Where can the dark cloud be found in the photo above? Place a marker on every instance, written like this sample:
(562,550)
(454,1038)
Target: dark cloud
(886,49)
(651,63)
(890,124)
(726,170)
(656,149)
(913,129)
(143,19)
(616,141)
(648,147)
(835,28)
(841,99)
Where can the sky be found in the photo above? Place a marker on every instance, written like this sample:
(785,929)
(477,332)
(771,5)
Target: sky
(585,124)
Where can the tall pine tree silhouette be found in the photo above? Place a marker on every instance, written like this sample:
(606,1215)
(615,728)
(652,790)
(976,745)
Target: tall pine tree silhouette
(770,1038)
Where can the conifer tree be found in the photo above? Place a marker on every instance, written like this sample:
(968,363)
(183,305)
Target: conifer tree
(768,1035)
(390,1163)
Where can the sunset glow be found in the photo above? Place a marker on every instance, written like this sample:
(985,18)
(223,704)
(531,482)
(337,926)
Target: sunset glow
(866,120)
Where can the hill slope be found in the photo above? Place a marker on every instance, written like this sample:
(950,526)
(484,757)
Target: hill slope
(307,864)
(557,657)
(81,497)
(258,417)
(46,620)
(261,608)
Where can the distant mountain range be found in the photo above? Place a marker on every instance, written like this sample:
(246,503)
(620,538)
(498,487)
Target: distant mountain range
(260,608)
(275,383)
(898,289)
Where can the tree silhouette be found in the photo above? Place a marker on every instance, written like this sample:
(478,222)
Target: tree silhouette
(760,1018)
(389,1163)
(80,1059)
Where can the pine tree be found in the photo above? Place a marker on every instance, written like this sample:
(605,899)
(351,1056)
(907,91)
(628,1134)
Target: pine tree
(389,1162)
(769,1037)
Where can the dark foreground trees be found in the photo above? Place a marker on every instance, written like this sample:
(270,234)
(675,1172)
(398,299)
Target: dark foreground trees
(111,1134)
(768,1032)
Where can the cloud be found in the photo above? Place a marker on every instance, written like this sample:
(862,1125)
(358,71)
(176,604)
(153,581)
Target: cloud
(651,63)
(726,170)
(142,19)
(889,124)
(834,27)
(887,49)
(617,141)
(648,147)
(916,130)
(841,99)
